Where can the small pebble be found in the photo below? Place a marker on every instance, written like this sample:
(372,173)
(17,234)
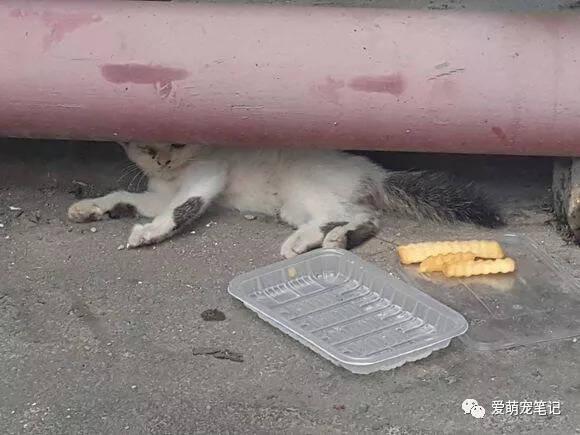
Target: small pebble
(193,232)
(1,225)
(14,208)
(120,247)
(249,217)
(93,230)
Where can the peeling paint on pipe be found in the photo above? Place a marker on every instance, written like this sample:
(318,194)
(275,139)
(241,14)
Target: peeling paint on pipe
(291,76)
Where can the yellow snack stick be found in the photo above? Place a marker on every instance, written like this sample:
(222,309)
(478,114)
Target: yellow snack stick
(479,267)
(436,263)
(417,252)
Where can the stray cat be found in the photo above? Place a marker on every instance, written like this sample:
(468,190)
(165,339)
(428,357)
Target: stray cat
(332,198)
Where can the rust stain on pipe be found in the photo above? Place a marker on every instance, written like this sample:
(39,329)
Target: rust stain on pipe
(393,84)
(161,77)
(499,133)
(329,89)
(60,23)
(141,74)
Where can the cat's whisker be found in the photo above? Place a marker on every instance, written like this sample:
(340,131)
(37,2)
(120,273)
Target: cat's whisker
(130,165)
(143,177)
(127,166)
(126,174)
(133,179)
(119,183)
(128,171)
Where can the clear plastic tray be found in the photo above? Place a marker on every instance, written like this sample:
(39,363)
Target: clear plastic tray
(347,310)
(538,302)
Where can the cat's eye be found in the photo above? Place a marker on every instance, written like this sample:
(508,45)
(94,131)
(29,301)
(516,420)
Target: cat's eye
(148,150)
(177,145)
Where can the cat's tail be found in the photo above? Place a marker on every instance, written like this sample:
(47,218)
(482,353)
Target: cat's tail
(438,196)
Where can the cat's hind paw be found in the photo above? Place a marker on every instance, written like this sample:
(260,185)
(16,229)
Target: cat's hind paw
(85,211)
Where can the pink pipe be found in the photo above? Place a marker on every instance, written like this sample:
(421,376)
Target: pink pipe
(289,76)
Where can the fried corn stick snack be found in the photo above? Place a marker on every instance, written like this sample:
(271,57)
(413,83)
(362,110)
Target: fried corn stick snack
(417,252)
(479,267)
(436,263)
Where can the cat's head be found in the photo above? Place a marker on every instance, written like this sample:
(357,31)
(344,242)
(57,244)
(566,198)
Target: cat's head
(161,160)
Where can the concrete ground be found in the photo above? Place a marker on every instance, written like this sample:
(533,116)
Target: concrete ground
(99,340)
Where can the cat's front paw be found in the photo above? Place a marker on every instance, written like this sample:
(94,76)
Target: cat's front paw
(85,211)
(142,235)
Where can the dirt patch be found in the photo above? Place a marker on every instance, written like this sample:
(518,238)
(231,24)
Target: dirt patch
(213,315)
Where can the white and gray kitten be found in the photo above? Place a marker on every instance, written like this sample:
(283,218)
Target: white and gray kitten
(333,199)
